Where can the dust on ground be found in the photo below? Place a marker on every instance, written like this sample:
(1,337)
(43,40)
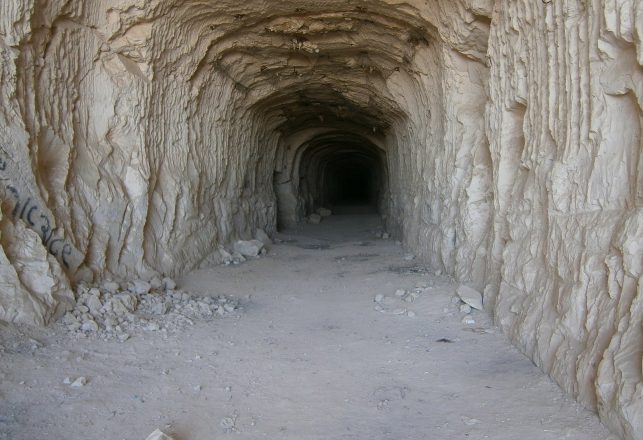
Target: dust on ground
(311,355)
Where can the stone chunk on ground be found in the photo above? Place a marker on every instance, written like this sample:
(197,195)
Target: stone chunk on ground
(324,212)
(314,219)
(470,296)
(249,248)
(159,435)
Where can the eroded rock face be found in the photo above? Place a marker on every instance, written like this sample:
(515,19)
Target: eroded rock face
(34,289)
(502,141)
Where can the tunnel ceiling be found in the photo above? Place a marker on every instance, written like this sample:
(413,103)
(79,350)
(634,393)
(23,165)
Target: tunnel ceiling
(321,63)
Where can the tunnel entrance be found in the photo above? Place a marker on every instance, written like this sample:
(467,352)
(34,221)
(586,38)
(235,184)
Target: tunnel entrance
(350,184)
(343,172)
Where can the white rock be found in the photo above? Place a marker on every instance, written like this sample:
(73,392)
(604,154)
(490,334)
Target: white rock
(470,296)
(80,382)
(465,308)
(314,219)
(139,287)
(89,326)
(159,435)
(398,311)
(379,297)
(169,284)
(400,292)
(248,248)
(410,314)
(468,319)
(94,304)
(156,283)
(324,212)
(386,235)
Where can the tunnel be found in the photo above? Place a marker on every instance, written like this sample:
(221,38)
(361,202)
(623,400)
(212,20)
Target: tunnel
(340,171)
(497,144)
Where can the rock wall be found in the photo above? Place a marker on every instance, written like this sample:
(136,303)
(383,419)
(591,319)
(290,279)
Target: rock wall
(137,136)
(564,124)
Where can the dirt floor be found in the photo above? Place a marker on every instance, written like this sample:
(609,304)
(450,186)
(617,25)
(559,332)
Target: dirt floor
(307,357)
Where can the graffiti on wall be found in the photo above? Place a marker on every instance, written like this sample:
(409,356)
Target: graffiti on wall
(26,209)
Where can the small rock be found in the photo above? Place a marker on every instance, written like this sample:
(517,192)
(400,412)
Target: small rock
(410,314)
(409,257)
(385,235)
(324,212)
(80,382)
(124,303)
(94,304)
(169,284)
(470,296)
(67,381)
(158,435)
(153,326)
(400,292)
(139,287)
(261,235)
(315,219)
(111,287)
(156,283)
(468,320)
(398,311)
(468,421)
(122,337)
(89,326)
(465,308)
(379,298)
(249,248)
(160,308)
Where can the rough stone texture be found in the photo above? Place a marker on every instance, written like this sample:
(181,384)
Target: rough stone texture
(565,270)
(33,286)
(140,137)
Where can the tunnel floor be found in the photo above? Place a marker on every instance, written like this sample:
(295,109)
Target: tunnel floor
(309,357)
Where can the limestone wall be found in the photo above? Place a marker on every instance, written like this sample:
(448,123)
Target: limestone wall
(564,125)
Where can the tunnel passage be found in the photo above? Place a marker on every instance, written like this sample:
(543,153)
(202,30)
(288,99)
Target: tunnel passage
(339,170)
(348,180)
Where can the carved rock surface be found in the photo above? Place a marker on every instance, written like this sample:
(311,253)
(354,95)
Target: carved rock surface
(33,287)
(500,141)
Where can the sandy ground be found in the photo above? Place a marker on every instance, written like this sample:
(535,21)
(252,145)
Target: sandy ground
(308,357)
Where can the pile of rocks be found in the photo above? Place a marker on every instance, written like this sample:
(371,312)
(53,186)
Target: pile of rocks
(468,300)
(317,217)
(398,303)
(241,251)
(115,311)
